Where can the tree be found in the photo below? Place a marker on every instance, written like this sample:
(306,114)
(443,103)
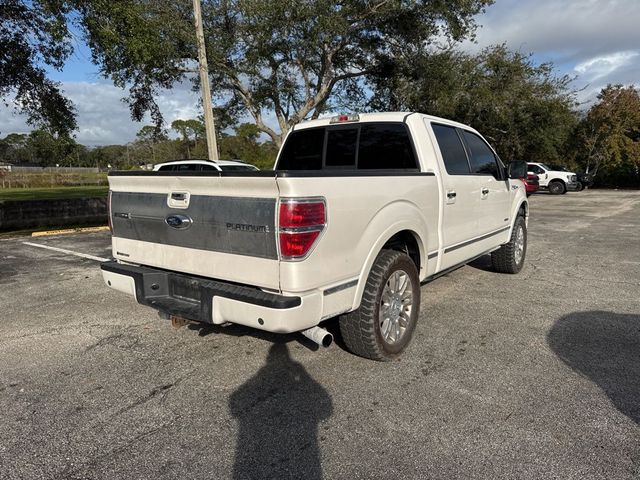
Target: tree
(34,34)
(524,109)
(148,137)
(188,129)
(290,58)
(608,137)
(184,130)
(48,149)
(244,145)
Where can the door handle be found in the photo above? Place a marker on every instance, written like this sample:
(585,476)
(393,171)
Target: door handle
(451,194)
(485,191)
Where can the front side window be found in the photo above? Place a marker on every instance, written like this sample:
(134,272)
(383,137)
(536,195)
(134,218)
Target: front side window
(481,157)
(452,150)
(536,169)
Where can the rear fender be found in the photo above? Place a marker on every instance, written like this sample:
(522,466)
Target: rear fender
(407,217)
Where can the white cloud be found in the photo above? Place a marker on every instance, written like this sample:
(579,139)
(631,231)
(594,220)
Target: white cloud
(598,41)
(601,66)
(103,118)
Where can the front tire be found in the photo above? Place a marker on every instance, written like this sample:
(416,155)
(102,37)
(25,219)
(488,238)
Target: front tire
(381,328)
(510,257)
(557,188)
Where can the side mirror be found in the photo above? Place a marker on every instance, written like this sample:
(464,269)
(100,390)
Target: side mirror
(517,170)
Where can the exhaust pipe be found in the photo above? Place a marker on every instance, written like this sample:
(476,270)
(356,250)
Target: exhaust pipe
(318,335)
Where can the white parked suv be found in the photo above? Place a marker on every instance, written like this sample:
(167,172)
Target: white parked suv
(555,181)
(357,213)
(203,166)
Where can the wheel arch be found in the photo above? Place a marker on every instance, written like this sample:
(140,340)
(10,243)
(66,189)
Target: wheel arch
(401,237)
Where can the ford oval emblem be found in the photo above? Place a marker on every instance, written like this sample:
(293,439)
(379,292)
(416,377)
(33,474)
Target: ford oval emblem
(178,221)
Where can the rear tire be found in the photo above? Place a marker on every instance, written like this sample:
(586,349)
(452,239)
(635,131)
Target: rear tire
(510,257)
(556,188)
(381,328)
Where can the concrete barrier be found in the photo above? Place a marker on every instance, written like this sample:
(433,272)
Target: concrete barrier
(17,215)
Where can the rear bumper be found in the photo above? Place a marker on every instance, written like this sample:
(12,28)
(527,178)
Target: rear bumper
(214,301)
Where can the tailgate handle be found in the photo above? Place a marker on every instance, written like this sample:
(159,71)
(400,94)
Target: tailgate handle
(178,200)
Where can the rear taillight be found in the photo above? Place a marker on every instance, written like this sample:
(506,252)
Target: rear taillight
(109,211)
(301,221)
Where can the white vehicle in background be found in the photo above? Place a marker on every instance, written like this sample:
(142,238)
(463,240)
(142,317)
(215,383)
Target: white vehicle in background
(555,181)
(204,165)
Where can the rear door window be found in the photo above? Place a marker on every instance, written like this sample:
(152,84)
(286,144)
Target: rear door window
(452,150)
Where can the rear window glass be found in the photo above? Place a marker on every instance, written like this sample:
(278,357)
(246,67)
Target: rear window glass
(341,147)
(303,150)
(385,146)
(361,146)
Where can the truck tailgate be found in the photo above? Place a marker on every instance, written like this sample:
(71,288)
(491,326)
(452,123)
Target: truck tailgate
(220,227)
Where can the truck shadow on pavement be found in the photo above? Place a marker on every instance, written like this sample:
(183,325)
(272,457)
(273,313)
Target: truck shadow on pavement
(278,412)
(605,347)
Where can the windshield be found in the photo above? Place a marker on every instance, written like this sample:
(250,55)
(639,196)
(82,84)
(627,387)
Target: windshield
(546,167)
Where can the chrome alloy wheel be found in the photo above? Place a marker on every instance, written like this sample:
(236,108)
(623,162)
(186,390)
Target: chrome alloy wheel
(519,244)
(396,304)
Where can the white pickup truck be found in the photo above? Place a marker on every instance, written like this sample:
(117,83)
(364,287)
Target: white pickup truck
(358,211)
(557,182)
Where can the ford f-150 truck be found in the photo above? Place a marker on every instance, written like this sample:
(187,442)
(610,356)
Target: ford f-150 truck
(358,211)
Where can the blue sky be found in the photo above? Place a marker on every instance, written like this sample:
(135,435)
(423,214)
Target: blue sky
(596,40)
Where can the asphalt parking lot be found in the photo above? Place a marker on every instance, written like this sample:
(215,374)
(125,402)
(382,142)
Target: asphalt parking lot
(528,376)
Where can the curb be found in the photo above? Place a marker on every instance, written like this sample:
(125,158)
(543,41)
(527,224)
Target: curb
(70,230)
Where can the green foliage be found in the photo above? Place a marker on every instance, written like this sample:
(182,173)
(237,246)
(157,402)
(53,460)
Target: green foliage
(33,34)
(524,109)
(292,58)
(607,139)
(244,146)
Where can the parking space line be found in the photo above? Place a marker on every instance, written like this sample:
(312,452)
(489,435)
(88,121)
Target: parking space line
(69,252)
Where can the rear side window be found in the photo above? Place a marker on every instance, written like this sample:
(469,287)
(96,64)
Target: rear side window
(303,150)
(361,146)
(385,145)
(207,168)
(452,150)
(482,159)
(186,167)
(237,168)
(166,168)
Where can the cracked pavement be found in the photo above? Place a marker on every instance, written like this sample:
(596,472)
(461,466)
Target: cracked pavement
(527,376)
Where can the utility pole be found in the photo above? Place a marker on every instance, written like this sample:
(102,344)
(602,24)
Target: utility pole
(212,145)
